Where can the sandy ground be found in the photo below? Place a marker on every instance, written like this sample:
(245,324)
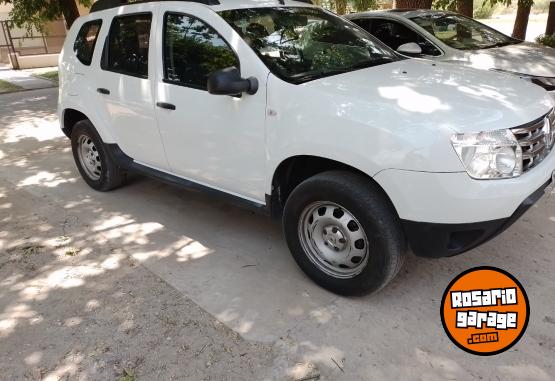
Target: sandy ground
(505,23)
(160,283)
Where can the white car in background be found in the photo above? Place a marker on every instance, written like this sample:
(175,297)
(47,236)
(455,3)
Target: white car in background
(450,37)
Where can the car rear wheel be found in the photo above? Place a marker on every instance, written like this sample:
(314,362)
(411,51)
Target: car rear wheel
(93,162)
(344,233)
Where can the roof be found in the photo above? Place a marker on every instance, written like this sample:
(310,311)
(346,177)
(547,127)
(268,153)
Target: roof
(218,5)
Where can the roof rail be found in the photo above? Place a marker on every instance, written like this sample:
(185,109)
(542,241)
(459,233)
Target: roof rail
(101,5)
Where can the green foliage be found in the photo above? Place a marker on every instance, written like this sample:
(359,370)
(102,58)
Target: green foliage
(50,75)
(522,3)
(32,14)
(6,87)
(444,4)
(352,5)
(484,12)
(546,40)
(363,5)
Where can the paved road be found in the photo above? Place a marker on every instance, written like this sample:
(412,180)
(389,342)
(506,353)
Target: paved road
(24,79)
(235,265)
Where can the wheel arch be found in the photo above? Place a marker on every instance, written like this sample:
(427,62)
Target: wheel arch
(70,117)
(295,169)
(74,112)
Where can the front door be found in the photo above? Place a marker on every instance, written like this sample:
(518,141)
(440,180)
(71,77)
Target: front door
(214,140)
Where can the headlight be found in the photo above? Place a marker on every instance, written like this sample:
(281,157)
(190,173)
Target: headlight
(489,155)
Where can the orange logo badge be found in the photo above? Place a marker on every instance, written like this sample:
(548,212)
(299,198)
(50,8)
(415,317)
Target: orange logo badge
(485,311)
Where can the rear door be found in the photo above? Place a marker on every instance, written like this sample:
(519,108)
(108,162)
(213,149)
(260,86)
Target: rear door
(125,85)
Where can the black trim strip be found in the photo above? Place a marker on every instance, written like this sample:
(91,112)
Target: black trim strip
(127,163)
(444,240)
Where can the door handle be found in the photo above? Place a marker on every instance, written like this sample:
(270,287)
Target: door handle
(167,106)
(102,90)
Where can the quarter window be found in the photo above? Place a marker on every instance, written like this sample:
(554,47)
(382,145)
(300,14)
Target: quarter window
(126,49)
(86,40)
(193,50)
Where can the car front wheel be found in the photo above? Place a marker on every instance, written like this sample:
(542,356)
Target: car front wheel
(344,233)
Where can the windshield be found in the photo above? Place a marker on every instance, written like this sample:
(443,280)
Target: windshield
(463,33)
(302,44)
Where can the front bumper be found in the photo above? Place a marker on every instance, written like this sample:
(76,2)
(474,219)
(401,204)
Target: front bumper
(444,240)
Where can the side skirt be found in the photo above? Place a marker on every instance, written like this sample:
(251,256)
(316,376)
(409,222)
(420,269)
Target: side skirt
(128,164)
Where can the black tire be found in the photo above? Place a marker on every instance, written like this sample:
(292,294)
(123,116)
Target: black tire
(111,176)
(368,204)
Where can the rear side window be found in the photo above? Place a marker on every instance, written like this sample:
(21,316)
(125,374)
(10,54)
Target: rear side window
(193,50)
(126,49)
(86,40)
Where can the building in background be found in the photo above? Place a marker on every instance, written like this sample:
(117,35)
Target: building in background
(23,50)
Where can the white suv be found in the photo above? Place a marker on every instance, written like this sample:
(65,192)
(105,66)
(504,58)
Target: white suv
(295,112)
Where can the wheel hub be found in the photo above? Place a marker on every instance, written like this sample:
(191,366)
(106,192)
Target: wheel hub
(334,237)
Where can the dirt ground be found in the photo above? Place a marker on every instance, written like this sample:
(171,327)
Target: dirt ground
(75,308)
(151,282)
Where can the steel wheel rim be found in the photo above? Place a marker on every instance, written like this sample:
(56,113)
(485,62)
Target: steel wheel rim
(333,239)
(89,157)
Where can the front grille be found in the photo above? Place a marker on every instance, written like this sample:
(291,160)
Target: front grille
(536,140)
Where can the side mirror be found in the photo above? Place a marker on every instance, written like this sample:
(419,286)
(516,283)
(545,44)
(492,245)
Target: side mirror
(228,81)
(410,48)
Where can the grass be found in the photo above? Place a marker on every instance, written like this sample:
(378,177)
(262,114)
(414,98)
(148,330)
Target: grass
(127,376)
(50,75)
(6,87)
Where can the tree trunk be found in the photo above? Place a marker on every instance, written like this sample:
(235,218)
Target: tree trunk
(341,7)
(550,28)
(464,7)
(421,4)
(521,21)
(70,11)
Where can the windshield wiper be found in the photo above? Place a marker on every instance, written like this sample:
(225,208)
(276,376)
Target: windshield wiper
(361,65)
(500,44)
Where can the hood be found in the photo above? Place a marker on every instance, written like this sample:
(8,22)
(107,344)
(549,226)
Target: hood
(523,58)
(427,95)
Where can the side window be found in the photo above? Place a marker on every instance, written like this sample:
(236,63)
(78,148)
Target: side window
(364,23)
(394,34)
(86,40)
(126,48)
(193,50)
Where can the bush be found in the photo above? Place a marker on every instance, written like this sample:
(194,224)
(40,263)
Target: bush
(484,12)
(546,40)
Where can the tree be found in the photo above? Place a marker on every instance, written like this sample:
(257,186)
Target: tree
(32,14)
(550,27)
(522,16)
(465,7)
(421,4)
(341,7)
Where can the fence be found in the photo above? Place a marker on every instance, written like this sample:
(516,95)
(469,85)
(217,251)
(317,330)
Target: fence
(17,42)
